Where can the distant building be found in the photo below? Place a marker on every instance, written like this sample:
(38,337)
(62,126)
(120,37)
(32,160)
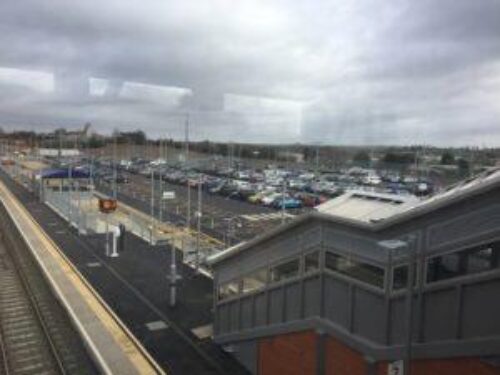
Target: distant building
(327,293)
(66,136)
(295,157)
(55,152)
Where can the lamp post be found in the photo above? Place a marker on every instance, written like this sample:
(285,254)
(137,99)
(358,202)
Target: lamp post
(198,226)
(152,206)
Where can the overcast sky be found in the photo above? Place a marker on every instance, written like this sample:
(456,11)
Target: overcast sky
(331,72)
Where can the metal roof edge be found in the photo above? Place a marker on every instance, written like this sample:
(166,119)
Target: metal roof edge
(234,250)
(425,208)
(413,212)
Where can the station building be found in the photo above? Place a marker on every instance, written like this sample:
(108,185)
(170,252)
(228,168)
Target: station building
(388,286)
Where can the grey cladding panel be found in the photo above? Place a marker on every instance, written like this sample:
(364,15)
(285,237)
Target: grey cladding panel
(234,316)
(224,319)
(369,315)
(246,313)
(292,301)
(398,321)
(276,305)
(246,353)
(312,297)
(480,318)
(260,309)
(439,315)
(312,237)
(355,244)
(259,256)
(465,226)
(336,300)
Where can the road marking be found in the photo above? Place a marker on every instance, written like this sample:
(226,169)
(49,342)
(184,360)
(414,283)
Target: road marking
(271,216)
(203,332)
(156,325)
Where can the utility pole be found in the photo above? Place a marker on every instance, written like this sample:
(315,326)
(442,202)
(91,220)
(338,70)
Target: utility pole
(107,234)
(198,229)
(59,154)
(152,205)
(166,150)
(186,130)
(283,202)
(70,188)
(173,276)
(79,198)
(188,215)
(317,162)
(160,151)
(114,165)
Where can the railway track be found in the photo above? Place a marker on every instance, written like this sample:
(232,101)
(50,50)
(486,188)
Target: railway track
(35,334)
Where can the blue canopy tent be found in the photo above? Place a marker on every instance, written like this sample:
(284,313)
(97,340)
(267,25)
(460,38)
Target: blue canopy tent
(63,173)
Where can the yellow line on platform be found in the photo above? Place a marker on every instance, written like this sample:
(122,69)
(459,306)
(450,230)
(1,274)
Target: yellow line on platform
(57,267)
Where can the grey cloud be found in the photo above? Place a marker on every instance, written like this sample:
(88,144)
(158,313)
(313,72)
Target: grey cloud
(364,72)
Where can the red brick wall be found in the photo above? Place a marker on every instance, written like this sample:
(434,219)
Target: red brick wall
(295,354)
(454,366)
(289,354)
(342,360)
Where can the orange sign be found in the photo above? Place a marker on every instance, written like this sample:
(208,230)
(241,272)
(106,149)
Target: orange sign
(107,205)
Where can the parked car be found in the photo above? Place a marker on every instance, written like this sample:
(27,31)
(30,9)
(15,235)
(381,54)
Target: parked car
(288,202)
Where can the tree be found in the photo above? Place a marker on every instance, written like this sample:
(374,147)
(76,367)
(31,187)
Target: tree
(447,158)
(362,158)
(398,158)
(137,137)
(95,141)
(463,167)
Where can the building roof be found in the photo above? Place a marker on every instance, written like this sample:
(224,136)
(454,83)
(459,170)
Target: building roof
(472,187)
(367,206)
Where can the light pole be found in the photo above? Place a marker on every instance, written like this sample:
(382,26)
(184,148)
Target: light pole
(160,214)
(114,165)
(152,206)
(198,231)
(283,209)
(70,189)
(107,233)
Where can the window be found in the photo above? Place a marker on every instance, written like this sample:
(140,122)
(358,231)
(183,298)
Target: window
(254,281)
(400,277)
(365,272)
(227,290)
(464,262)
(311,262)
(285,270)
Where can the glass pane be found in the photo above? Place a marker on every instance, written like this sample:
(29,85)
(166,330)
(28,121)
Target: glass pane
(254,281)
(357,270)
(400,277)
(228,289)
(285,270)
(312,262)
(464,262)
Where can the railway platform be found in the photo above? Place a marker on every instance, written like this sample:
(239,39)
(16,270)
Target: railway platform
(110,344)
